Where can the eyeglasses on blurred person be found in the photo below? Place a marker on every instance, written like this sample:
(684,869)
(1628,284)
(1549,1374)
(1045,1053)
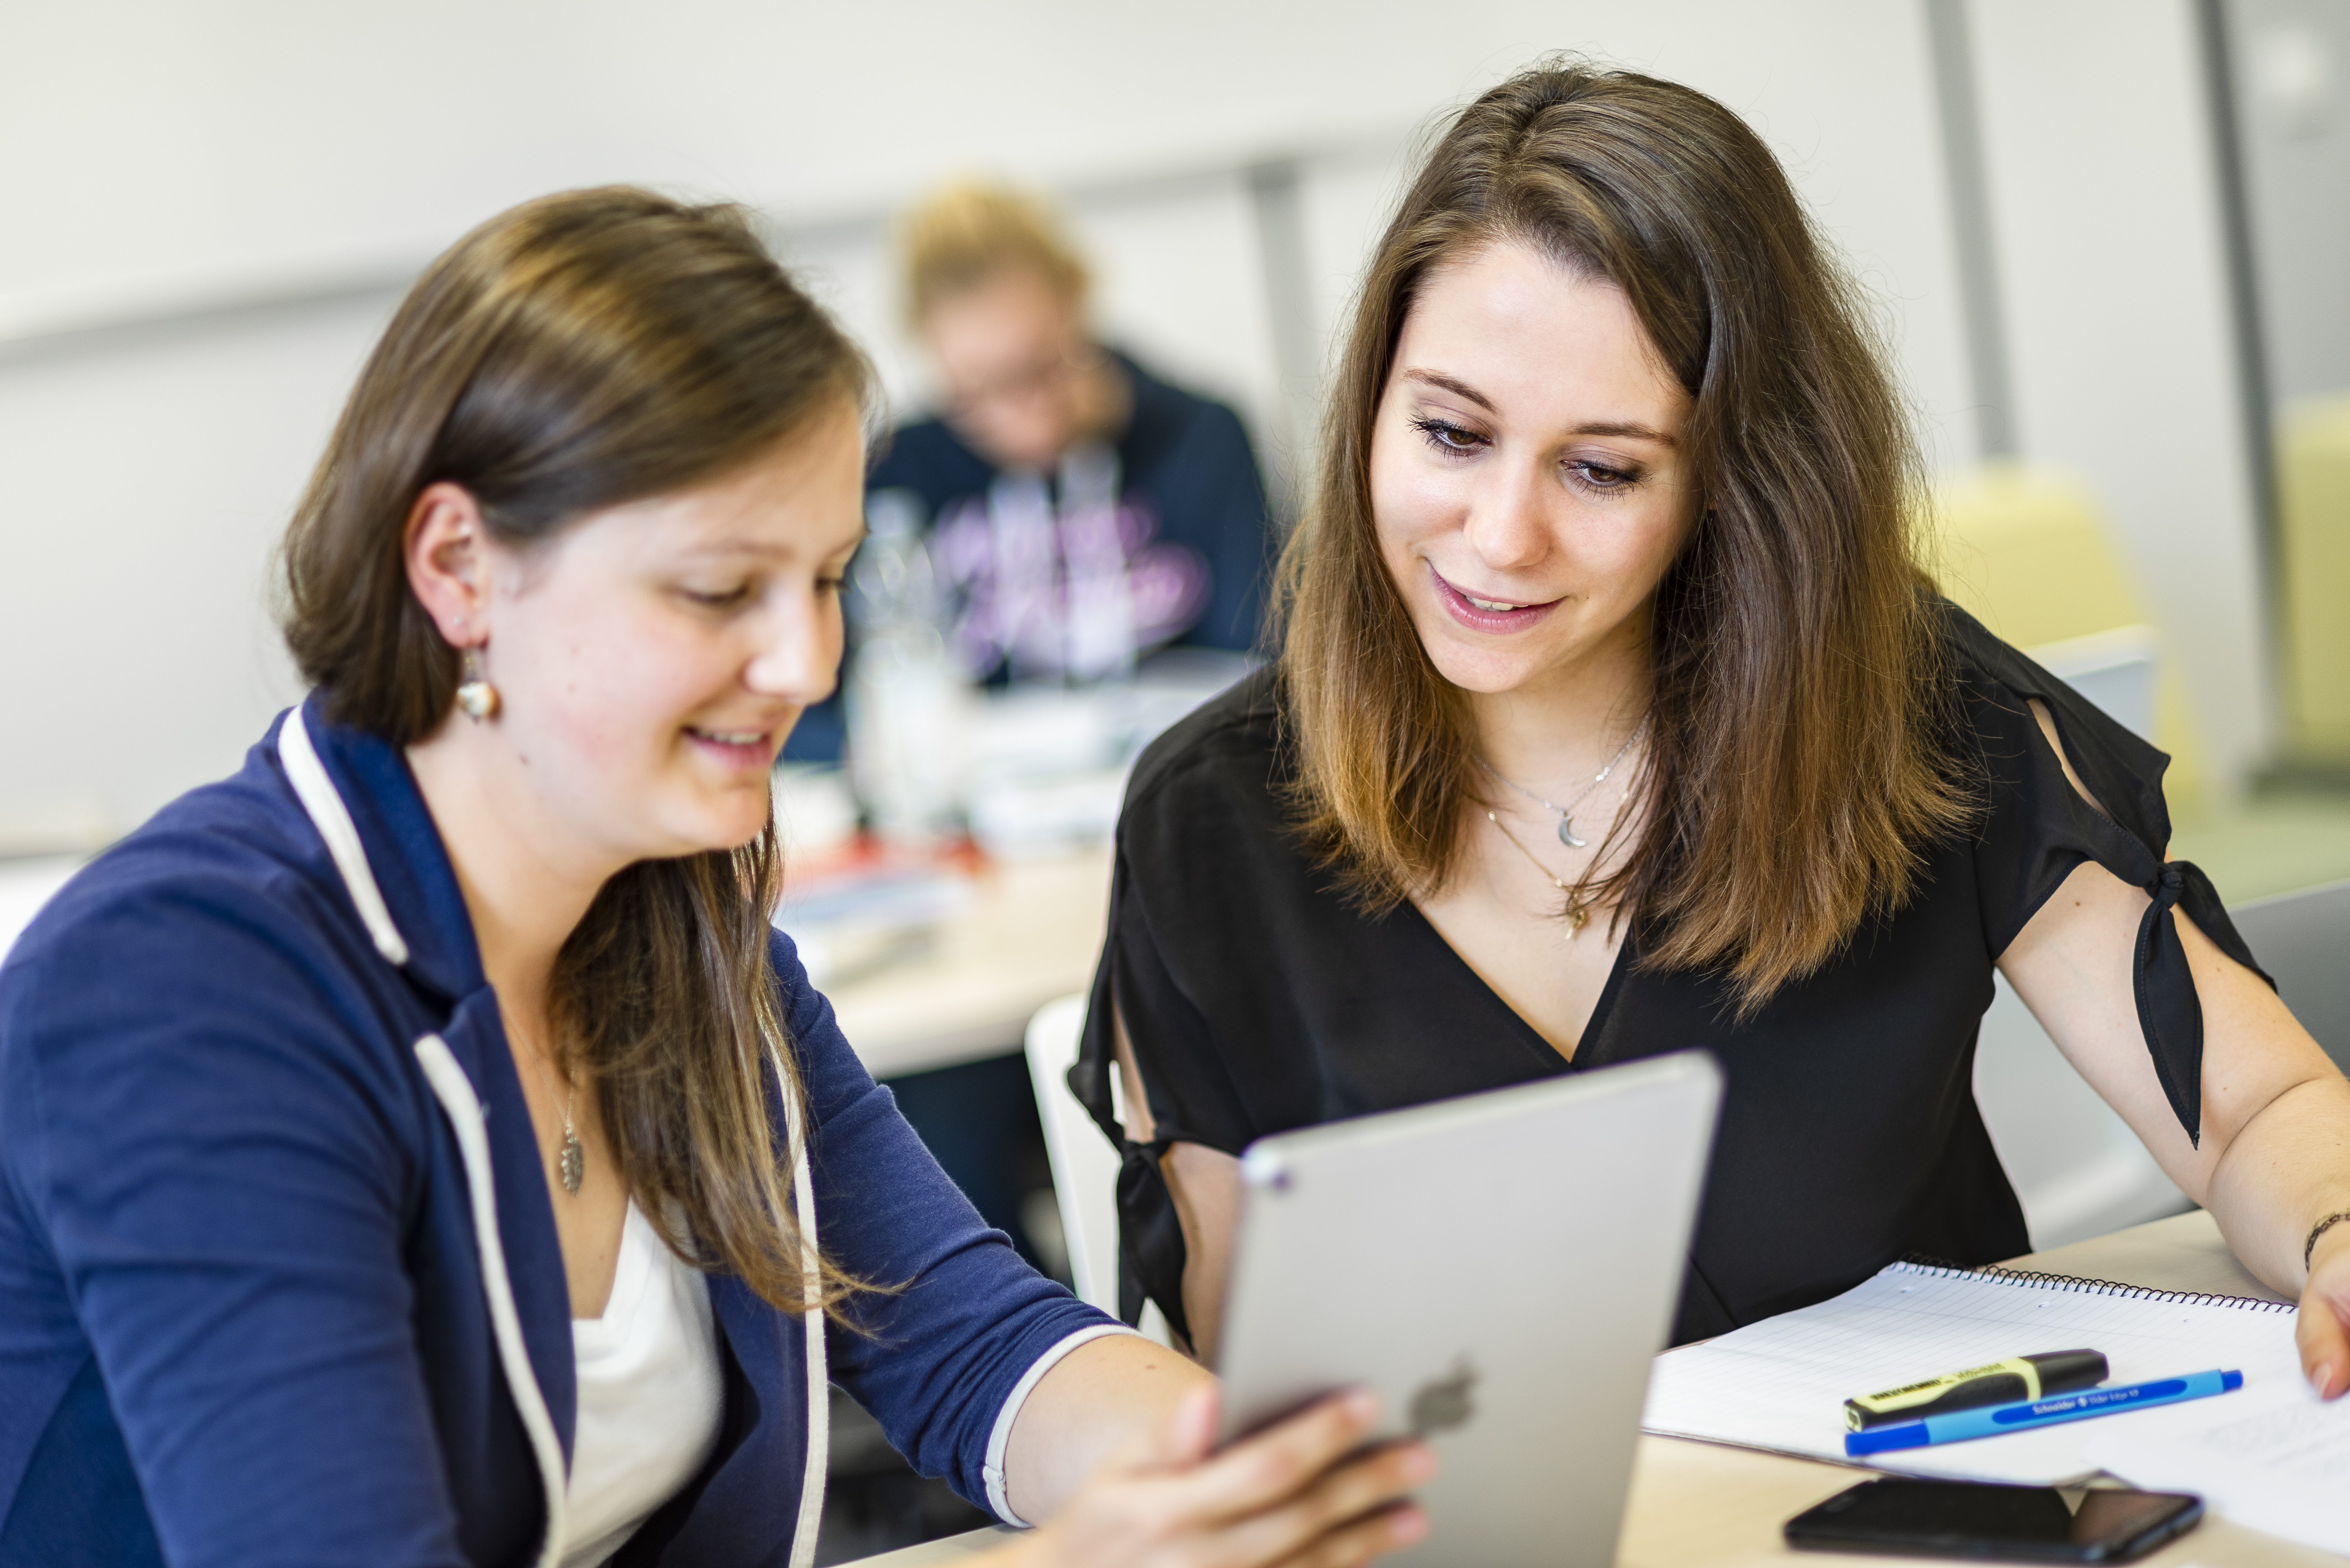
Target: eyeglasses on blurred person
(1078,511)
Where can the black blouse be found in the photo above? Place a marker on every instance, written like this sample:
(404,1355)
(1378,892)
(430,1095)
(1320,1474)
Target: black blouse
(1259,998)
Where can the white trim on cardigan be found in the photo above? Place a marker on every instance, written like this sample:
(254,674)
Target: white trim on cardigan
(819,1392)
(324,802)
(455,1093)
(998,1439)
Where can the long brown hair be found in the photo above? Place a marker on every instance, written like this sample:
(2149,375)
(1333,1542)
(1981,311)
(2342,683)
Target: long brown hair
(1797,759)
(577,352)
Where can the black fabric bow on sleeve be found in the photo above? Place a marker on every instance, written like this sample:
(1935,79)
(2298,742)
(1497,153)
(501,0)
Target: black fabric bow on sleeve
(2124,825)
(2168,1010)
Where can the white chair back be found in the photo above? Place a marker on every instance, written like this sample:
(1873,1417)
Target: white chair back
(1085,1165)
(2114,669)
(25,887)
(2076,1166)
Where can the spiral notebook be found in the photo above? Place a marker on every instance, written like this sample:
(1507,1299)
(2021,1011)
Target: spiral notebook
(1781,1384)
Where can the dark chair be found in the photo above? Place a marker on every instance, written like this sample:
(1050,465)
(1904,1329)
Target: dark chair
(2304,939)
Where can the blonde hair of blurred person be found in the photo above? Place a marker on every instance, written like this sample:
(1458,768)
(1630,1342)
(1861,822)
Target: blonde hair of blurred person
(1000,297)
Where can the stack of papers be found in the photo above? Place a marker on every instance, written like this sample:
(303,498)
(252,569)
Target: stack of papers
(2274,1457)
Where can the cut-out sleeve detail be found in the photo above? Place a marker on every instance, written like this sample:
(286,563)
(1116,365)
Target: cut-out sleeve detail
(1151,1250)
(2039,829)
(2169,1011)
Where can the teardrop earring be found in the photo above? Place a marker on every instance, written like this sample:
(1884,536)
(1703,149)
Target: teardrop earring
(476,695)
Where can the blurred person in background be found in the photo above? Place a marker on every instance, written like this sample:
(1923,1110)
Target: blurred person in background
(1081,512)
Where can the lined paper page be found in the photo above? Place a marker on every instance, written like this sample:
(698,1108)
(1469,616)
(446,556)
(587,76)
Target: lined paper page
(1781,1384)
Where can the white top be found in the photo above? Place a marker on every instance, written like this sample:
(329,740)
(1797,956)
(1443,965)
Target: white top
(651,1400)
(649,1395)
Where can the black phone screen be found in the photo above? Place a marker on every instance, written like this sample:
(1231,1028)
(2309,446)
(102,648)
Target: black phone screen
(1968,1519)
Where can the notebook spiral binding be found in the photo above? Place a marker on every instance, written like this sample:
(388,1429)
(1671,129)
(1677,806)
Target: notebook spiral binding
(2075,1283)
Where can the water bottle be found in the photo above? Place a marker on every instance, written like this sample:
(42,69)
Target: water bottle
(908,705)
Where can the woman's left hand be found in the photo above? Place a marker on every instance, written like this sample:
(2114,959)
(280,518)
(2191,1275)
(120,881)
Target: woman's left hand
(2322,1330)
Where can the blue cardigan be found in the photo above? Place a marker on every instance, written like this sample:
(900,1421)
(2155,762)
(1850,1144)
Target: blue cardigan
(271,1292)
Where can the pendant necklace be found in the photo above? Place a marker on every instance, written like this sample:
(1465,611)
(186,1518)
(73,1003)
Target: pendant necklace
(1567,812)
(1578,911)
(571,1164)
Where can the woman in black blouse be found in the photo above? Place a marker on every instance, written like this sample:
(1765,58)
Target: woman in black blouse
(1615,715)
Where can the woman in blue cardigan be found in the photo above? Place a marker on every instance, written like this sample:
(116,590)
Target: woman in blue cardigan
(418,1148)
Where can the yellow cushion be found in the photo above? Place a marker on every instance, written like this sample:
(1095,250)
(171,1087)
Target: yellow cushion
(2027,551)
(2314,515)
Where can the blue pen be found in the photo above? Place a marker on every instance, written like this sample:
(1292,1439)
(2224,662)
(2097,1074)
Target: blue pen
(1989,1420)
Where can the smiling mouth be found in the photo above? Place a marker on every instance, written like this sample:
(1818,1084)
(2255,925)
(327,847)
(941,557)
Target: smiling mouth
(745,738)
(1486,606)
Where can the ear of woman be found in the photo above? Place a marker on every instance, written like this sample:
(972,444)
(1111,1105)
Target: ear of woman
(444,547)
(652,656)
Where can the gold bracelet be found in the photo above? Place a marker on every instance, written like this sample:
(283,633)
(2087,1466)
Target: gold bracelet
(2309,1249)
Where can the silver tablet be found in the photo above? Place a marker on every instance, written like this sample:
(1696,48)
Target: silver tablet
(1500,1269)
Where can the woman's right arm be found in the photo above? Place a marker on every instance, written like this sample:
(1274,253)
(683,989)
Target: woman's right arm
(1205,1184)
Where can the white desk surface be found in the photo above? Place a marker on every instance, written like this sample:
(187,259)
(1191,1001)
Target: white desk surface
(1699,1505)
(1031,934)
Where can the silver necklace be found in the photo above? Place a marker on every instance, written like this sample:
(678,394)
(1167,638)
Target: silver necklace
(571,1163)
(1567,812)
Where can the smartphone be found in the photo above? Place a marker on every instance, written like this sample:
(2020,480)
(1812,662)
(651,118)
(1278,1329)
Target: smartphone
(1996,1523)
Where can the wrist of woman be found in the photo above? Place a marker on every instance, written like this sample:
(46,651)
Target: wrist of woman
(2331,1232)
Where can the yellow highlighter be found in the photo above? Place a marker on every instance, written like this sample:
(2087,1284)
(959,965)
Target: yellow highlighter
(1995,1382)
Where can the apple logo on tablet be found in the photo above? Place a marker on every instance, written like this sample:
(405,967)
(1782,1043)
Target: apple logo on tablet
(1443,1403)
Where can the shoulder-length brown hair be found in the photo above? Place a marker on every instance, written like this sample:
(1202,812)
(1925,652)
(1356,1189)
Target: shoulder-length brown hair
(1796,757)
(577,352)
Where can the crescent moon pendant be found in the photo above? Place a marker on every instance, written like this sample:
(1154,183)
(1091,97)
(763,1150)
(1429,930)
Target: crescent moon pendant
(1566,833)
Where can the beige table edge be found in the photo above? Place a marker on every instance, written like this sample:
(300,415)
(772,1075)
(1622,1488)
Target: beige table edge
(1699,1505)
(1031,932)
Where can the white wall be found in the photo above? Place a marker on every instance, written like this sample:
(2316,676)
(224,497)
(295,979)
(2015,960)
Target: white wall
(2292,60)
(2106,214)
(142,484)
(162,150)
(248,134)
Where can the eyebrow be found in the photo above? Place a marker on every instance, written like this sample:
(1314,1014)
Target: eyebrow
(1629,429)
(1457,387)
(758,548)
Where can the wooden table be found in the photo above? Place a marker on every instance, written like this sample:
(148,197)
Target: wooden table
(1700,1505)
(967,989)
